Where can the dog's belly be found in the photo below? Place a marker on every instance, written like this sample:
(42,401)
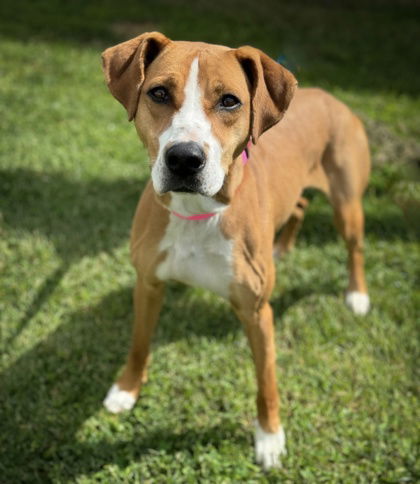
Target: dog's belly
(197,254)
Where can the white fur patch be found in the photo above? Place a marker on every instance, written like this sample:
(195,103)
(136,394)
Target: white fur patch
(269,447)
(198,254)
(117,400)
(358,302)
(190,123)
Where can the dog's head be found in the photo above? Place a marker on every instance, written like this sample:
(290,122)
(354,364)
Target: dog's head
(195,105)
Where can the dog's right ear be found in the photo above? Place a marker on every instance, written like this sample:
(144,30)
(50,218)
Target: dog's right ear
(272,87)
(125,64)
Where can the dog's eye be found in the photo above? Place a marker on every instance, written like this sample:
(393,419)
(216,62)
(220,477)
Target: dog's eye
(159,95)
(229,101)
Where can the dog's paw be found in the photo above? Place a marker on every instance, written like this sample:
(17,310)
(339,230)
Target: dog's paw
(117,400)
(269,447)
(358,302)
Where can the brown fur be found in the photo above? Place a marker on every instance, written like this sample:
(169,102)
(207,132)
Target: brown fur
(319,143)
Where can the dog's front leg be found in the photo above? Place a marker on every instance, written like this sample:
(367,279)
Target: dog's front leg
(147,304)
(269,435)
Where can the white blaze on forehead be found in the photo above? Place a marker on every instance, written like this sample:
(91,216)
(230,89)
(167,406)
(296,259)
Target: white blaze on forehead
(190,123)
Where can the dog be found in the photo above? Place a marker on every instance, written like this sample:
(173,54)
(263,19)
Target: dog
(228,168)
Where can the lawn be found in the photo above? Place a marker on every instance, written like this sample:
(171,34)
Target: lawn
(71,170)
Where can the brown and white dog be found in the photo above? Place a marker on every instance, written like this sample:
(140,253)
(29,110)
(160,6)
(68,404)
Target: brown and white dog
(208,219)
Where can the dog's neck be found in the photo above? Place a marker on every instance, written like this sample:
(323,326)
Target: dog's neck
(193,206)
(232,181)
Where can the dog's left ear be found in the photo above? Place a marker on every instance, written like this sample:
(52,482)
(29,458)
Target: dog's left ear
(272,87)
(125,64)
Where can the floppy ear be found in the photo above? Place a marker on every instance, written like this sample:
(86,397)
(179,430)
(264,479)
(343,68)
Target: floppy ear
(125,64)
(272,88)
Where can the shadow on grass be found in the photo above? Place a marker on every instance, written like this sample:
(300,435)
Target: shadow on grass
(293,295)
(56,386)
(350,44)
(79,218)
(385,223)
(89,217)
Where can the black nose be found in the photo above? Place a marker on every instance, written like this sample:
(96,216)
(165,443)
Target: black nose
(185,159)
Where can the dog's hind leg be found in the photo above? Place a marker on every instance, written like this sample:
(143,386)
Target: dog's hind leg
(147,304)
(289,232)
(347,168)
(349,220)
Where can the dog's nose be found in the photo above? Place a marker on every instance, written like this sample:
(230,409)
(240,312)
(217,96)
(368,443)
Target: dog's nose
(185,159)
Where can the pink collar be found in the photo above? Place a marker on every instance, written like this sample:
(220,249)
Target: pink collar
(203,216)
(200,216)
(245,153)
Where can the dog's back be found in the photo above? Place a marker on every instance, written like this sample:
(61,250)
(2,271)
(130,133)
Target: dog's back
(321,144)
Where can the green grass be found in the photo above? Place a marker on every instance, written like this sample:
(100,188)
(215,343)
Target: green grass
(71,170)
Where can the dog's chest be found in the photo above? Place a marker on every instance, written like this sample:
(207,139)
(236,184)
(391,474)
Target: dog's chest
(197,254)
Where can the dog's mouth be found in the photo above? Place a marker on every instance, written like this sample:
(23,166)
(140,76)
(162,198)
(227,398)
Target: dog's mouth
(184,190)
(183,185)
(200,183)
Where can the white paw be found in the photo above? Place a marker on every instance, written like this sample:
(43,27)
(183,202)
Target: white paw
(118,400)
(358,302)
(269,447)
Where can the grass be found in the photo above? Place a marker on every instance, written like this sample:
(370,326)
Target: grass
(71,170)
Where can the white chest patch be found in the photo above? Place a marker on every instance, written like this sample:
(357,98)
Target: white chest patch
(197,253)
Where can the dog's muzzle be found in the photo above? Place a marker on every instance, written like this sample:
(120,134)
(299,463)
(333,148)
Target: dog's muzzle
(184,162)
